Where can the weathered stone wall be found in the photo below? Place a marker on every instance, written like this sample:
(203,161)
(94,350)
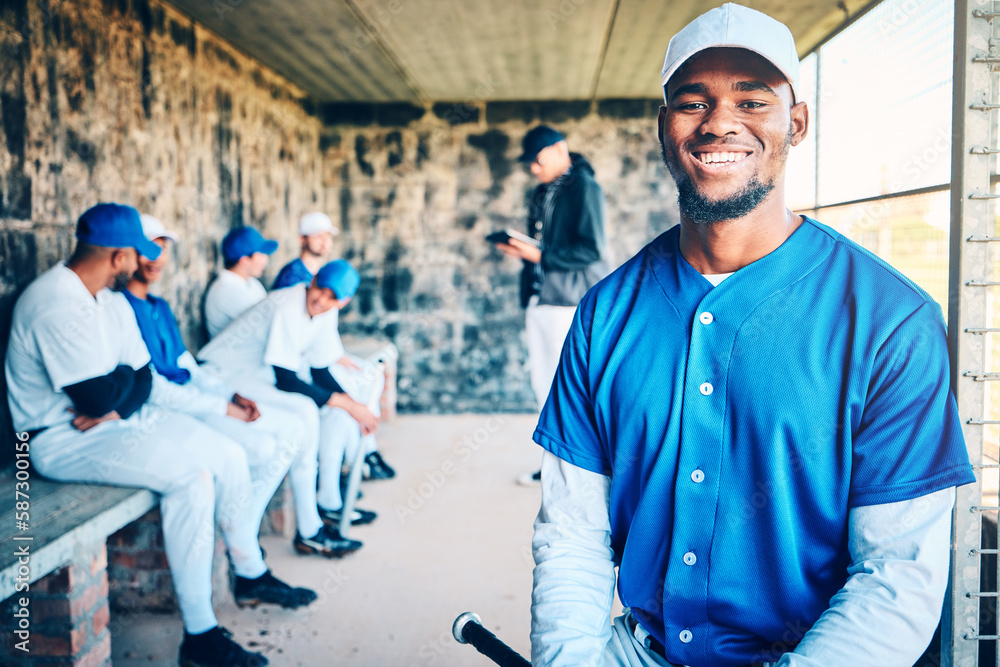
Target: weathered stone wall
(129,101)
(416,193)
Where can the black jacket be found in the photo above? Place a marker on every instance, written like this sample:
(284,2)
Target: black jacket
(567,216)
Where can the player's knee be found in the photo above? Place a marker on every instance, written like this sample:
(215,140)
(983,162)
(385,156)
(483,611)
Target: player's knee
(260,449)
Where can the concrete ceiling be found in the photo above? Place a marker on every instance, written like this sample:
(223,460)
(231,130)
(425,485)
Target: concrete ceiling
(482,50)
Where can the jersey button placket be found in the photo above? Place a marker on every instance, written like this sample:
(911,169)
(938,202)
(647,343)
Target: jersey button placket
(701,417)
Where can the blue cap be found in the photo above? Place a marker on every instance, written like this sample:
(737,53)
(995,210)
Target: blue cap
(245,241)
(535,140)
(115,226)
(340,277)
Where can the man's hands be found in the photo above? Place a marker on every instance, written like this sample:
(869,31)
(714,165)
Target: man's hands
(348,363)
(367,420)
(520,250)
(242,408)
(85,423)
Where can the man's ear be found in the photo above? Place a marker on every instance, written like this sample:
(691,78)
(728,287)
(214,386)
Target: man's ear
(659,122)
(119,257)
(800,122)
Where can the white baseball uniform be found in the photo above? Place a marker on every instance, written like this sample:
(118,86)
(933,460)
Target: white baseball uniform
(62,335)
(361,385)
(228,297)
(278,331)
(272,441)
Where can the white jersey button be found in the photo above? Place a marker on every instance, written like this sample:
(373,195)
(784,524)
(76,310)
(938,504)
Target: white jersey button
(690,558)
(706,318)
(706,388)
(697,477)
(685,636)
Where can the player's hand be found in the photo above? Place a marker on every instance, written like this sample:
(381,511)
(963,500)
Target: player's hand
(521,250)
(85,423)
(367,420)
(348,363)
(237,411)
(250,406)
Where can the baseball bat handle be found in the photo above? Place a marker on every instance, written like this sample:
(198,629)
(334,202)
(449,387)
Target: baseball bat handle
(469,630)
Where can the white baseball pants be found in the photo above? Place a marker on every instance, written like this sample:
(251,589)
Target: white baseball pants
(546,328)
(201,476)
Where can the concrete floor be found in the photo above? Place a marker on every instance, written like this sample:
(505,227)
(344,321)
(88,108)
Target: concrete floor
(453,535)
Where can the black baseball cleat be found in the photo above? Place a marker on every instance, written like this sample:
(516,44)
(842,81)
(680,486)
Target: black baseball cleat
(377,468)
(359,517)
(267,589)
(216,648)
(327,542)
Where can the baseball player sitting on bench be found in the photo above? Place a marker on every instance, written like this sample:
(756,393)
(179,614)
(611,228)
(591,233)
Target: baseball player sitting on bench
(245,254)
(271,437)
(358,377)
(80,384)
(261,354)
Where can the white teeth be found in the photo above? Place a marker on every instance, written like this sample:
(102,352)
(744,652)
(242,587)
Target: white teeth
(711,158)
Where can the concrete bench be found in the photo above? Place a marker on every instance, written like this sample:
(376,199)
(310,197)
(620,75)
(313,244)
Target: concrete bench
(53,568)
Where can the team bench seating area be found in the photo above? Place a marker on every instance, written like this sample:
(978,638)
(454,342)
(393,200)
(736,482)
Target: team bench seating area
(53,568)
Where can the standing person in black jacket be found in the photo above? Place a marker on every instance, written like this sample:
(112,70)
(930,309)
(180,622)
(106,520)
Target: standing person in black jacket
(566,217)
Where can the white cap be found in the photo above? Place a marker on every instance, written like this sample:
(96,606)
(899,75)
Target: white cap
(315,223)
(154,229)
(734,26)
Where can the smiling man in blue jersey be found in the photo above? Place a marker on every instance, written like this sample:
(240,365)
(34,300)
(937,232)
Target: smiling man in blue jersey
(752,418)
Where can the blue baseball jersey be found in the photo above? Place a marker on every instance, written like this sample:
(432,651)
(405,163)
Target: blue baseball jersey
(740,424)
(293,273)
(159,330)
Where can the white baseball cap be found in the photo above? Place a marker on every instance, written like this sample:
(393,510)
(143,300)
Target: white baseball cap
(154,229)
(734,26)
(315,223)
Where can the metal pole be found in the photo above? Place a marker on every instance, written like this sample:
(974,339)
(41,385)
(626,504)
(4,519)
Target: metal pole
(971,215)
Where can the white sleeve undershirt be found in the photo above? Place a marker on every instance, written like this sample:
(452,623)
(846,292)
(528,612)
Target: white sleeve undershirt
(884,616)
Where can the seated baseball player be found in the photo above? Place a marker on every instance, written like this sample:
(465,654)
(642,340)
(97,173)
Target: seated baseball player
(79,383)
(316,231)
(261,354)
(357,376)
(244,254)
(271,437)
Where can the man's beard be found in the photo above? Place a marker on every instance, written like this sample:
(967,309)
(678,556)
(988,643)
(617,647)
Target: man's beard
(121,282)
(701,210)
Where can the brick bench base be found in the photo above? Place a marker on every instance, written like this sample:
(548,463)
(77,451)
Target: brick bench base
(69,616)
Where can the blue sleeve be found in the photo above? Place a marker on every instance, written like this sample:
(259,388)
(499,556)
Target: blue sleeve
(909,439)
(288,380)
(292,273)
(568,426)
(173,347)
(161,334)
(142,386)
(324,378)
(124,390)
(98,396)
